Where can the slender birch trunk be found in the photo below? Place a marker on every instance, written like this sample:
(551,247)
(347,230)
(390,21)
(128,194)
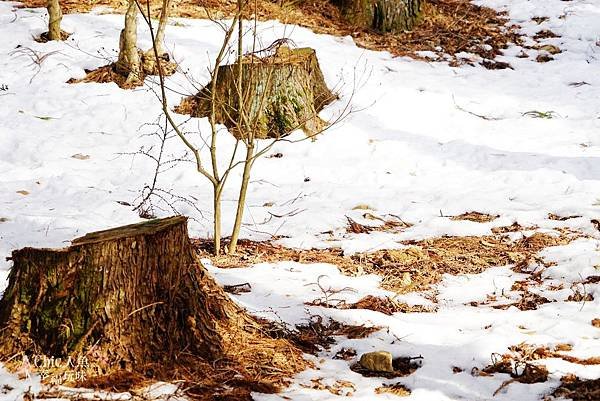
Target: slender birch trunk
(128,63)
(149,59)
(235,233)
(54,19)
(217,218)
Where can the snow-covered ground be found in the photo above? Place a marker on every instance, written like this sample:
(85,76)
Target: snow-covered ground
(414,147)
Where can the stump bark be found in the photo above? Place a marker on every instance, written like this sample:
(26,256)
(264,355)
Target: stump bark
(382,15)
(129,298)
(282,93)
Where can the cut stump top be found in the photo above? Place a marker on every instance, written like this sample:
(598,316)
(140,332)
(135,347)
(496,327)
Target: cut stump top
(132,230)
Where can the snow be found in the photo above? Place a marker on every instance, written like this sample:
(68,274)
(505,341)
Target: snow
(411,148)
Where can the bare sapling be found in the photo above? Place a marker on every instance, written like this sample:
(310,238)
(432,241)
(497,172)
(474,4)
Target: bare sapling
(210,170)
(257,118)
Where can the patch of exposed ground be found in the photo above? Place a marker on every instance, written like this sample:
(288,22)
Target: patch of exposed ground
(107,73)
(416,267)
(476,217)
(317,333)
(446,27)
(578,389)
(522,364)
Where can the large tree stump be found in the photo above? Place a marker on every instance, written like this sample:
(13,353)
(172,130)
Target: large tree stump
(381,15)
(129,298)
(282,92)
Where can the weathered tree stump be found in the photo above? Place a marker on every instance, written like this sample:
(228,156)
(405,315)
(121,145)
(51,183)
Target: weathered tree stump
(381,15)
(282,92)
(131,297)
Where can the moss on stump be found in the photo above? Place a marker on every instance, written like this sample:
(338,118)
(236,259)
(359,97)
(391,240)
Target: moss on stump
(281,93)
(133,298)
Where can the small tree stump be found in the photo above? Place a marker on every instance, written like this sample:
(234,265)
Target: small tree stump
(381,15)
(131,297)
(282,93)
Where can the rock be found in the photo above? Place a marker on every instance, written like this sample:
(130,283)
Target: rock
(378,361)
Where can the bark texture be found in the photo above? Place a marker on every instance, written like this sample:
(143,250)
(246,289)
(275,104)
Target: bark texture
(282,93)
(149,62)
(130,297)
(54,19)
(129,63)
(382,15)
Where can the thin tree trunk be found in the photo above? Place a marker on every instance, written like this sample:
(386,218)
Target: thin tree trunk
(150,61)
(128,63)
(235,234)
(54,19)
(217,218)
(162,24)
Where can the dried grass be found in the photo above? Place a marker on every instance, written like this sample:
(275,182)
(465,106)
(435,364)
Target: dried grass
(397,389)
(476,217)
(528,301)
(317,334)
(387,306)
(578,389)
(343,388)
(427,261)
(521,362)
(43,38)
(393,225)
(445,27)
(106,74)
(416,267)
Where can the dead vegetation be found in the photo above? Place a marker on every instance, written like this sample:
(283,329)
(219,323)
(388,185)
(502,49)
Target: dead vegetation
(44,37)
(397,389)
(528,301)
(416,267)
(391,225)
(513,228)
(343,388)
(476,217)
(108,73)
(427,261)
(577,389)
(522,363)
(387,306)
(317,333)
(446,27)
(552,216)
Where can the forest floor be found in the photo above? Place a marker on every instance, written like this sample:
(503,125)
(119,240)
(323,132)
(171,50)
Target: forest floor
(451,218)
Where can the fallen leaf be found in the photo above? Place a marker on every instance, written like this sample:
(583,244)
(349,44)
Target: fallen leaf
(80,156)
(23,192)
